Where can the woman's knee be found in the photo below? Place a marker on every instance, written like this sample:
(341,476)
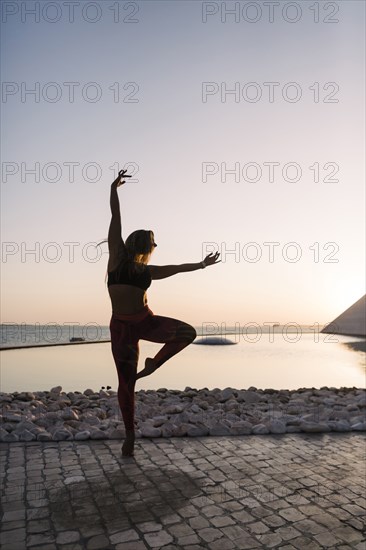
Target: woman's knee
(193,333)
(187,332)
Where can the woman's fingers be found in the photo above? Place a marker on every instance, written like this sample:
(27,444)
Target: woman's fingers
(212,258)
(122,174)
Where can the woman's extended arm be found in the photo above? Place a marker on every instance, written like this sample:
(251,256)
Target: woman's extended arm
(163,271)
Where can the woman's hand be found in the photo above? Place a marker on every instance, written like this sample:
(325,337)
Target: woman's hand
(212,259)
(121,174)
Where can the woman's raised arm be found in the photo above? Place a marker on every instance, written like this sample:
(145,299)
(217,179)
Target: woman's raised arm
(116,245)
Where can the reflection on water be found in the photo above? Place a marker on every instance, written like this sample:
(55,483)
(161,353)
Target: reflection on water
(358,346)
(278,363)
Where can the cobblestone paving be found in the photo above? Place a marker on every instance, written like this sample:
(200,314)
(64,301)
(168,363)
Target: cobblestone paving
(291,491)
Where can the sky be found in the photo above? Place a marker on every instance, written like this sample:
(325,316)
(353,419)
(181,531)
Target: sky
(243,124)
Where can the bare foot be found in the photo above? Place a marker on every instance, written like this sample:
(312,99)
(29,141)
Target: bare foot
(128,445)
(150,367)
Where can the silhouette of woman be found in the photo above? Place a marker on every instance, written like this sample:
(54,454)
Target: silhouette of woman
(129,276)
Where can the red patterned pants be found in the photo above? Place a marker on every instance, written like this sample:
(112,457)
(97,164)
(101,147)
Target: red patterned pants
(126,331)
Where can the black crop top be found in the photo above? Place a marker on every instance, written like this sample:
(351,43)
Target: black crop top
(120,276)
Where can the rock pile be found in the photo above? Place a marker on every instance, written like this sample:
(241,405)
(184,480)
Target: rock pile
(55,415)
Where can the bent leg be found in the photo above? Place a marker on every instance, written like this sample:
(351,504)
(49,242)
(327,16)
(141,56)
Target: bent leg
(174,333)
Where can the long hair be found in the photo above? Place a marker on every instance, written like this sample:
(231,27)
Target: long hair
(139,246)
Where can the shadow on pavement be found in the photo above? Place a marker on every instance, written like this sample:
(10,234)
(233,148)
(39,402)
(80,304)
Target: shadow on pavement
(117,497)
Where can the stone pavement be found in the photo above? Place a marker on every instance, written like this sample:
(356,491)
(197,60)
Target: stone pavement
(291,491)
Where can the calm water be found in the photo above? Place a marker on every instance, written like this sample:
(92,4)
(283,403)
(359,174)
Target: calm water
(279,361)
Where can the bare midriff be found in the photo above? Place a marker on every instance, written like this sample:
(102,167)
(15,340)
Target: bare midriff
(127,299)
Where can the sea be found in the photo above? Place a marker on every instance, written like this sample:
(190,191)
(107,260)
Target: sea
(39,357)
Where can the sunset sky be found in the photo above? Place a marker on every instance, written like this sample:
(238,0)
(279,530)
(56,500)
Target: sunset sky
(200,92)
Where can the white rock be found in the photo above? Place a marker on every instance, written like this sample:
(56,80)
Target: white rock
(292,429)
(329,401)
(313,427)
(179,430)
(352,408)
(361,399)
(115,433)
(54,406)
(274,414)
(311,417)
(241,428)
(53,416)
(260,429)
(226,394)
(295,411)
(197,431)
(219,428)
(44,436)
(4,398)
(232,418)
(167,429)
(192,418)
(63,402)
(150,431)
(99,413)
(300,404)
(81,436)
(173,409)
(356,419)
(231,405)
(69,414)
(26,425)
(38,407)
(360,426)
(277,427)
(247,396)
(3,433)
(62,435)
(105,424)
(36,430)
(26,396)
(97,434)
(340,425)
(9,426)
(159,420)
(10,437)
(92,420)
(12,416)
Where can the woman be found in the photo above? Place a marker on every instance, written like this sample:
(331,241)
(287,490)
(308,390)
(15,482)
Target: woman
(129,276)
